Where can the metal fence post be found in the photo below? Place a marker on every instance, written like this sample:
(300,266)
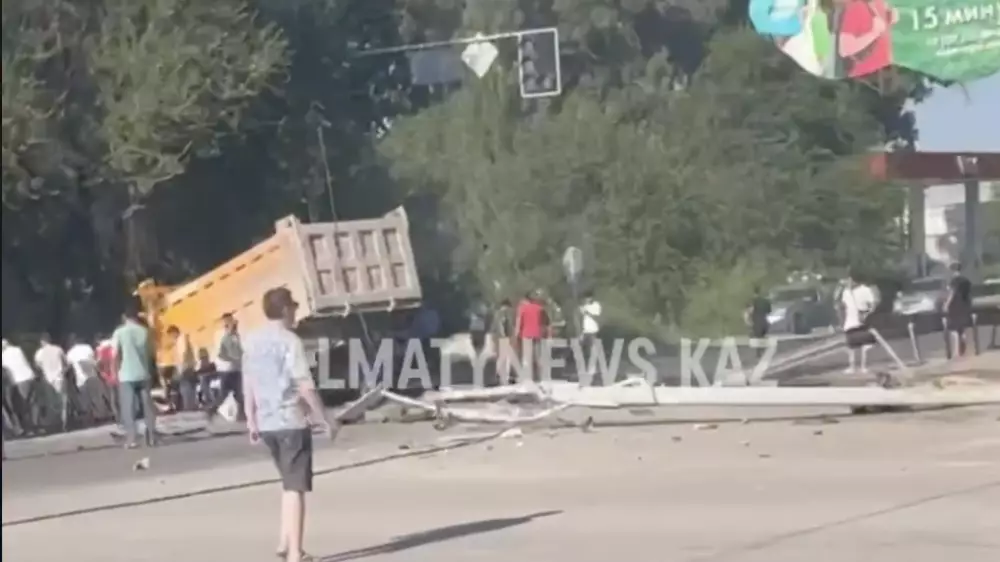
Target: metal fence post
(975,333)
(947,337)
(914,343)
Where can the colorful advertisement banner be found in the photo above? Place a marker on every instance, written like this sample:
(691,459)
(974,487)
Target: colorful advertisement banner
(954,40)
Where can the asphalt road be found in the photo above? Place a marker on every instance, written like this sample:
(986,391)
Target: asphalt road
(915,488)
(33,466)
(102,460)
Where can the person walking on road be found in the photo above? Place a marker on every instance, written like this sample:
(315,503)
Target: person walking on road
(590,314)
(185,364)
(756,318)
(51,361)
(228,359)
(134,359)
(479,323)
(531,326)
(958,310)
(858,302)
(281,403)
(105,352)
(503,331)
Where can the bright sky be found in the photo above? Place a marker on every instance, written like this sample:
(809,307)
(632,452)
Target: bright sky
(955,120)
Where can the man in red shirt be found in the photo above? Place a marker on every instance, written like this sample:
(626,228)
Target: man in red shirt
(106,368)
(863,36)
(531,326)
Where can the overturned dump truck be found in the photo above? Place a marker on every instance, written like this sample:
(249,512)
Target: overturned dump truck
(352,279)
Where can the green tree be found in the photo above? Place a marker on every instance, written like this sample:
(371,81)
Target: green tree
(669,163)
(104,100)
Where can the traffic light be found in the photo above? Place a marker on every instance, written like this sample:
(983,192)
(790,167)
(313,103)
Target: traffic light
(538,62)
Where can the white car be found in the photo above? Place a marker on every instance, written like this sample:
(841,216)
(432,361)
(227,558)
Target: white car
(922,296)
(986,294)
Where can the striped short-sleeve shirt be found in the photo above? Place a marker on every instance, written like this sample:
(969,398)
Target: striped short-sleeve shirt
(274,364)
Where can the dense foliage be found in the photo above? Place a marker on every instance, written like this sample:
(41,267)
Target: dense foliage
(686,157)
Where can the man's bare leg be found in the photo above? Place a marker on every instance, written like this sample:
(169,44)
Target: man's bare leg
(293,514)
(957,345)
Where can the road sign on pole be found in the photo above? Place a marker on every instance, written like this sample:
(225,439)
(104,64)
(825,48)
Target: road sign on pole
(573,264)
(479,57)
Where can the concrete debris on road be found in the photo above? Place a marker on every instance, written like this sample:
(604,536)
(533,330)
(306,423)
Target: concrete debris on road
(525,404)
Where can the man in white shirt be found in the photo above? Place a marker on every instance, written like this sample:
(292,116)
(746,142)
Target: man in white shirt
(22,377)
(17,364)
(590,314)
(51,361)
(857,302)
(90,389)
(83,360)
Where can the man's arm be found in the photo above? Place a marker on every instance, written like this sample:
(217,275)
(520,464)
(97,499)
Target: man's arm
(951,295)
(150,346)
(249,401)
(853,40)
(870,300)
(305,384)
(116,347)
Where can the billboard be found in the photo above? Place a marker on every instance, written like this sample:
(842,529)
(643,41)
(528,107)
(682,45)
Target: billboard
(954,40)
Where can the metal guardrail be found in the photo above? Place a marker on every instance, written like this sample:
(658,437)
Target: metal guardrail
(921,324)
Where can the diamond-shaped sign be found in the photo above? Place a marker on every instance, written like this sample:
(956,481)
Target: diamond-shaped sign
(479,57)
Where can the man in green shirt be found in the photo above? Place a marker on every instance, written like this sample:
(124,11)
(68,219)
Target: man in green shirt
(134,353)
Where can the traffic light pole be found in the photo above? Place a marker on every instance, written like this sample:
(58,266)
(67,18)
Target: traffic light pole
(454,42)
(539,67)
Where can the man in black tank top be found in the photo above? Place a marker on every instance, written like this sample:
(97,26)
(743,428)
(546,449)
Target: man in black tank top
(958,309)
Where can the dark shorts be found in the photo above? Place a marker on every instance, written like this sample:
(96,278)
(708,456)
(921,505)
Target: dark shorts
(859,337)
(292,452)
(959,321)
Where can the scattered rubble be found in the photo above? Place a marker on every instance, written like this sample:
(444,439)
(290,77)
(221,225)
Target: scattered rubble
(519,405)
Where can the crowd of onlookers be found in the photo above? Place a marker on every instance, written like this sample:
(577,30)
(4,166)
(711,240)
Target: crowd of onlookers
(59,387)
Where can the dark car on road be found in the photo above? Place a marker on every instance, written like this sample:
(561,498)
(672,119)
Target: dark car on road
(800,309)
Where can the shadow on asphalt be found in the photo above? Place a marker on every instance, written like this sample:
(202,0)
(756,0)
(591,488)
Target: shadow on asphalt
(256,483)
(441,534)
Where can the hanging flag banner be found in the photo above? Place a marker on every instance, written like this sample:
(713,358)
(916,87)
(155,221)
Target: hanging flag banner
(954,40)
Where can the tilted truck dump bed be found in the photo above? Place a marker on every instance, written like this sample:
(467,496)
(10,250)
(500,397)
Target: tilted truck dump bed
(333,269)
